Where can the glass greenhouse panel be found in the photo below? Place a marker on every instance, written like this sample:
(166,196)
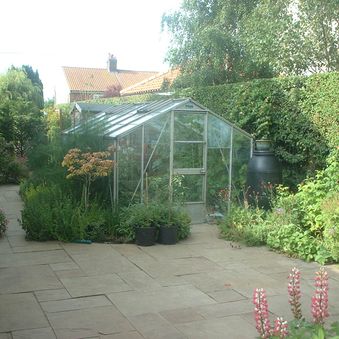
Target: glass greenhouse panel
(156,159)
(188,155)
(218,133)
(188,188)
(189,126)
(241,156)
(129,167)
(218,160)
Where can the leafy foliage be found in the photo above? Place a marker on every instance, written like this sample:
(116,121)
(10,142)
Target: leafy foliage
(51,214)
(3,224)
(218,41)
(21,121)
(245,225)
(87,166)
(11,168)
(206,42)
(295,36)
(302,224)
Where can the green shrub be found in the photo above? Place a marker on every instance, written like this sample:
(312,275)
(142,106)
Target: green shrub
(330,217)
(3,224)
(103,225)
(50,214)
(245,225)
(302,224)
(11,168)
(292,240)
(182,220)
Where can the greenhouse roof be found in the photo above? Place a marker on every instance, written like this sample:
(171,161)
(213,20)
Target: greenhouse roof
(122,119)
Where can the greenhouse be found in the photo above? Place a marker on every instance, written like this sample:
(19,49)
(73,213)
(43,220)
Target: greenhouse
(173,150)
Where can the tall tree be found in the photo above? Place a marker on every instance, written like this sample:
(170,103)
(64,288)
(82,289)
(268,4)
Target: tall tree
(294,36)
(218,41)
(37,83)
(320,24)
(206,41)
(20,117)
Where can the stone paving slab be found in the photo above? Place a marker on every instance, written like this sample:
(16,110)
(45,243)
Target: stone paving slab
(33,258)
(38,333)
(20,244)
(226,295)
(139,280)
(5,335)
(4,246)
(89,322)
(94,285)
(110,263)
(64,266)
(228,327)
(75,304)
(221,310)
(27,278)
(181,315)
(127,335)
(153,326)
(70,274)
(20,312)
(49,295)
(156,300)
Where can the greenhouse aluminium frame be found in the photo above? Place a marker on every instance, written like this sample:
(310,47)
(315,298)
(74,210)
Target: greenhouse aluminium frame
(174,150)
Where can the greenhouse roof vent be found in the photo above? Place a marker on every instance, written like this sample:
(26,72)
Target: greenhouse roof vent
(143,110)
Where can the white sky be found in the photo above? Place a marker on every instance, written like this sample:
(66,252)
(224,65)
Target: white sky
(48,34)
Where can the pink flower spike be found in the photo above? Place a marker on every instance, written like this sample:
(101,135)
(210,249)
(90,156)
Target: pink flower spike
(262,321)
(280,328)
(295,293)
(319,306)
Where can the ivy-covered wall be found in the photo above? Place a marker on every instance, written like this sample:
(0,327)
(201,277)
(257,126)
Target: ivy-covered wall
(299,114)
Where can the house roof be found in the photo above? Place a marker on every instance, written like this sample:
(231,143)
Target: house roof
(152,84)
(99,79)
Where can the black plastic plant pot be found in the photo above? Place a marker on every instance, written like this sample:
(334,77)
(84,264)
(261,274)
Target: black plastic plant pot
(145,236)
(167,235)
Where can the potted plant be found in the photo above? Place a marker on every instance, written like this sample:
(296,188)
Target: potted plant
(173,224)
(140,219)
(145,235)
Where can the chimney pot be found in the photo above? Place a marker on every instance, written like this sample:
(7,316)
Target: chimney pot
(112,63)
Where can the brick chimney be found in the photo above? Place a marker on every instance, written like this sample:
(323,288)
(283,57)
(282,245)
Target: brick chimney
(112,63)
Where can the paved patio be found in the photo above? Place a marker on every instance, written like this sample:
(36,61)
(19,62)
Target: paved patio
(199,288)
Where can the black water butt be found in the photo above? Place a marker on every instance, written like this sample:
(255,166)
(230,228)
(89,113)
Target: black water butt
(264,172)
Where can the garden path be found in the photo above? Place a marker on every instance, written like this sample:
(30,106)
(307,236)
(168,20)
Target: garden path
(199,288)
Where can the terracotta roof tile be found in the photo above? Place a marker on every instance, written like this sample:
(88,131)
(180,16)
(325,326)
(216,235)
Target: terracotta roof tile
(99,79)
(152,84)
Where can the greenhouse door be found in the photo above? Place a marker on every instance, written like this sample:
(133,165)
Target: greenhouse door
(188,161)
